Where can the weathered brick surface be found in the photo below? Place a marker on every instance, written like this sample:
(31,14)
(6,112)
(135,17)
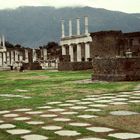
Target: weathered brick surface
(74,66)
(116,69)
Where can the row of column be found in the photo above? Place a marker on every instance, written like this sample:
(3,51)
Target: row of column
(10,57)
(78,26)
(79,52)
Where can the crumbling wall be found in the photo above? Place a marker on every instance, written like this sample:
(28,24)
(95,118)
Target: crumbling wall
(116,69)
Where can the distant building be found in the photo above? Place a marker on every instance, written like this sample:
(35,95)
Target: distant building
(13,57)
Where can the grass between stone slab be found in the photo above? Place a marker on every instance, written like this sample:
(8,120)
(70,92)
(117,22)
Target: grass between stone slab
(47,86)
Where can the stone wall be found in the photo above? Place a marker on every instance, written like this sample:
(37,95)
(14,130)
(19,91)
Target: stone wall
(106,44)
(116,69)
(66,66)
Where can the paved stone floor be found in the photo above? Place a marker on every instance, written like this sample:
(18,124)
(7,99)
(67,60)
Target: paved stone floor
(73,113)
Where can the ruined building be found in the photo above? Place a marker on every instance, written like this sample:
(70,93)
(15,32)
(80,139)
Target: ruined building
(113,55)
(13,57)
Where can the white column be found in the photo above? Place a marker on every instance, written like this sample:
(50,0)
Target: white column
(87,51)
(86,25)
(34,55)
(79,53)
(1,59)
(12,57)
(20,58)
(16,55)
(3,41)
(78,26)
(4,58)
(45,53)
(63,28)
(70,27)
(71,53)
(26,56)
(8,58)
(0,41)
(63,50)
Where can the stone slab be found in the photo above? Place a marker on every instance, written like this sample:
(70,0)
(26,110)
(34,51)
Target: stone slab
(98,105)
(61,119)
(7,126)
(123,113)
(10,115)
(44,107)
(35,122)
(78,107)
(4,112)
(87,116)
(69,113)
(79,124)
(52,127)
(91,138)
(22,118)
(22,109)
(48,115)
(67,133)
(34,137)
(125,136)
(99,129)
(34,112)
(72,101)
(18,131)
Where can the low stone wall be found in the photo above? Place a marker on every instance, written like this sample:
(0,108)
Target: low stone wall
(67,66)
(32,66)
(116,69)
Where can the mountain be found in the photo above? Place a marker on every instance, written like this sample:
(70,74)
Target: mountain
(34,26)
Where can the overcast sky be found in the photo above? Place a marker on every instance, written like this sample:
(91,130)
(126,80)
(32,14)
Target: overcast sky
(129,6)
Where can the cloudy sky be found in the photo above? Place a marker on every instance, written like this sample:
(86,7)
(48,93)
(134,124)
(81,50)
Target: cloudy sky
(129,6)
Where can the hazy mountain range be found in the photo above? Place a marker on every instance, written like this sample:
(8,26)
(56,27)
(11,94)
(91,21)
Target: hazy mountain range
(35,26)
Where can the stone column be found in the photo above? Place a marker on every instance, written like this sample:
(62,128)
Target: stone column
(86,25)
(70,27)
(8,58)
(79,53)
(12,57)
(63,50)
(78,26)
(3,41)
(45,53)
(71,53)
(34,55)
(16,55)
(26,56)
(0,41)
(1,63)
(4,58)
(87,51)
(63,28)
